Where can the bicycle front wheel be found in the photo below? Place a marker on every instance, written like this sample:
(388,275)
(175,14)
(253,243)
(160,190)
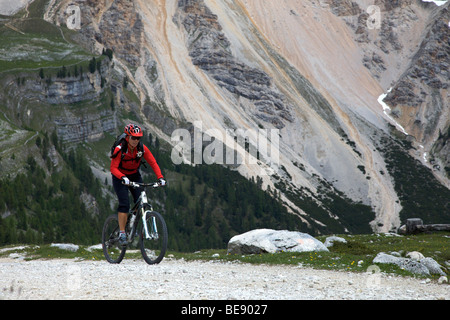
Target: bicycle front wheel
(153,243)
(112,250)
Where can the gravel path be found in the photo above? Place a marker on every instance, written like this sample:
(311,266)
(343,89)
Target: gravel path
(178,279)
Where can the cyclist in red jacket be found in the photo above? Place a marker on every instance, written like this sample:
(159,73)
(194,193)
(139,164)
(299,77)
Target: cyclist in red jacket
(125,168)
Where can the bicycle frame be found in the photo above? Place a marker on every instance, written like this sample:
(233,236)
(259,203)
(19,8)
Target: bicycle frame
(139,209)
(154,233)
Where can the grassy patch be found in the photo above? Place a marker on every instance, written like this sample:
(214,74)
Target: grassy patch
(35,43)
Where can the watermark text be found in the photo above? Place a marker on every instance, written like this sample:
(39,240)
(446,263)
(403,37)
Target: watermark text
(219,146)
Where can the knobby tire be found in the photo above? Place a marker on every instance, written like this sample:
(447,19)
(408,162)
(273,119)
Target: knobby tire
(112,251)
(153,251)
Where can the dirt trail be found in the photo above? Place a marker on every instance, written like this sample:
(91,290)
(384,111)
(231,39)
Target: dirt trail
(178,279)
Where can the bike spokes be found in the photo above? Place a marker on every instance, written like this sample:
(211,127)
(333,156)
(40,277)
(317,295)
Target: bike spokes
(112,250)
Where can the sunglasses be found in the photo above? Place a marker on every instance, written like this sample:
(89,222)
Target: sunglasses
(135,138)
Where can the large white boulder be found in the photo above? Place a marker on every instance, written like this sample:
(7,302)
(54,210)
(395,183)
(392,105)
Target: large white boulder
(272,241)
(66,246)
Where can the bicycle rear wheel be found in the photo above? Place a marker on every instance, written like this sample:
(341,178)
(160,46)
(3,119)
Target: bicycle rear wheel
(112,250)
(154,247)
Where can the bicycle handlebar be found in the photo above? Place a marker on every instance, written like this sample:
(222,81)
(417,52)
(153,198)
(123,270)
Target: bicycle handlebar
(139,184)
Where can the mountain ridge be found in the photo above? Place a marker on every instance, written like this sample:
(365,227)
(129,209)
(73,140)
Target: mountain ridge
(311,70)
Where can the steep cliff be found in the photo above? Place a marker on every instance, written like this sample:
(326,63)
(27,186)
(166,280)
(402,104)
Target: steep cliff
(420,99)
(210,50)
(407,50)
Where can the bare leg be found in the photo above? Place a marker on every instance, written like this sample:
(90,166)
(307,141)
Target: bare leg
(122,220)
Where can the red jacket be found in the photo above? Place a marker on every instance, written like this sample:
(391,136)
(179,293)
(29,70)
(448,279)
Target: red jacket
(130,162)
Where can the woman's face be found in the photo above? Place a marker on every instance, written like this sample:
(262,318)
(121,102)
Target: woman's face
(133,141)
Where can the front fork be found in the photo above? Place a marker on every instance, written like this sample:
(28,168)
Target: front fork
(154,230)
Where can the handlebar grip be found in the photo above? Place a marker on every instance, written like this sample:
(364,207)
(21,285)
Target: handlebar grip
(131,184)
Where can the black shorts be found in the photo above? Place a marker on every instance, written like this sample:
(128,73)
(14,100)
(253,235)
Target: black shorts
(122,191)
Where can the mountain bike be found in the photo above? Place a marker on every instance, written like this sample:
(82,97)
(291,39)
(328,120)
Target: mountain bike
(142,221)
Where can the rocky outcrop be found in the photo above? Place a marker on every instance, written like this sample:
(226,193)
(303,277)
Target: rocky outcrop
(417,264)
(408,51)
(419,99)
(80,110)
(89,127)
(430,63)
(69,89)
(387,5)
(344,7)
(66,91)
(383,16)
(441,152)
(117,26)
(430,66)
(209,50)
(123,16)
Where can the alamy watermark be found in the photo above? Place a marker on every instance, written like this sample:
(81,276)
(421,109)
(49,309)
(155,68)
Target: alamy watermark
(73,278)
(374,19)
(373,276)
(73,21)
(220,146)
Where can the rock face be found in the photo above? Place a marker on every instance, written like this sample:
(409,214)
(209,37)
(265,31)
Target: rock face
(90,127)
(80,110)
(272,241)
(344,7)
(210,50)
(412,58)
(419,100)
(430,65)
(117,26)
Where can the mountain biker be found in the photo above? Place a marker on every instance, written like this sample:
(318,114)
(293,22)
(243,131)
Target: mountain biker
(125,168)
